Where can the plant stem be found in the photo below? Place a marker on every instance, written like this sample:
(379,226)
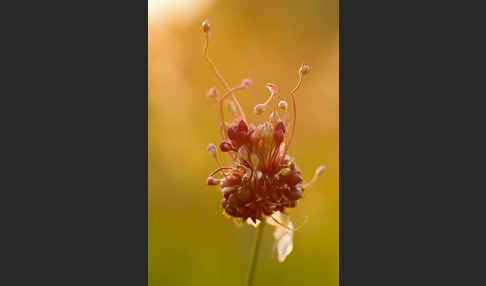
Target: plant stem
(256,248)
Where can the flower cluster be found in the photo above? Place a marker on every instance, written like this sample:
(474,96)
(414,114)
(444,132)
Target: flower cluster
(260,180)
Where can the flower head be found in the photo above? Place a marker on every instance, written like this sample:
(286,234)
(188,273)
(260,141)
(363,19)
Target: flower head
(260,180)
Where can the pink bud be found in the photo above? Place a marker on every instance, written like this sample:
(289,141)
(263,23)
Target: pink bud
(246,83)
(213,92)
(205,26)
(304,69)
(272,88)
(225,146)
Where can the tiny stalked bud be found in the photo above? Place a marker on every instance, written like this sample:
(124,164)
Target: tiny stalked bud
(225,146)
(243,153)
(212,93)
(320,170)
(272,88)
(205,26)
(246,83)
(211,181)
(260,108)
(283,105)
(304,69)
(212,149)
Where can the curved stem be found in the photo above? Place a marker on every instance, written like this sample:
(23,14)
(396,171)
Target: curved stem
(220,77)
(219,170)
(256,249)
(292,129)
(220,101)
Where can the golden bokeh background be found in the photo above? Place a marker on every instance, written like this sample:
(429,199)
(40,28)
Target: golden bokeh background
(190,242)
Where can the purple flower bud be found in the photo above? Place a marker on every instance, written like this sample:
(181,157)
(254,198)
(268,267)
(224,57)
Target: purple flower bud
(242,126)
(278,136)
(225,146)
(279,132)
(233,133)
(280,126)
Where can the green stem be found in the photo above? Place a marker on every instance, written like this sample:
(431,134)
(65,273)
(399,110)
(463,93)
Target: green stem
(256,248)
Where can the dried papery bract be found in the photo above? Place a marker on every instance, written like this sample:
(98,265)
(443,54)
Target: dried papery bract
(260,181)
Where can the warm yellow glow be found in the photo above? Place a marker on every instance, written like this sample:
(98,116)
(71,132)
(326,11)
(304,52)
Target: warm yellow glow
(174,10)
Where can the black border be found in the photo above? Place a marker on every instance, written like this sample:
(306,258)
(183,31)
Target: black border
(77,79)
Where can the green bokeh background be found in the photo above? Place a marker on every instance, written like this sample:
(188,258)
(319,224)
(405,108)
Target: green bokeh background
(190,241)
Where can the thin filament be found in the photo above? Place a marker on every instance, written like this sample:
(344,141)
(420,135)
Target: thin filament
(292,128)
(220,77)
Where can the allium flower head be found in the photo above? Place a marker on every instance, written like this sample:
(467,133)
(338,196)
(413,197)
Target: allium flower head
(260,180)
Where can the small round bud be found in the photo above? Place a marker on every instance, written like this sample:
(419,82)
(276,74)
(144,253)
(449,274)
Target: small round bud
(225,146)
(243,153)
(260,108)
(212,93)
(212,149)
(205,26)
(246,83)
(304,69)
(320,170)
(272,88)
(283,105)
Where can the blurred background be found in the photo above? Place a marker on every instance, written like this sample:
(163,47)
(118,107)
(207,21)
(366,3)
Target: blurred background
(190,241)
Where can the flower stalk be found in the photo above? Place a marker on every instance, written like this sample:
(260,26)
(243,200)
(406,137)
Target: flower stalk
(256,250)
